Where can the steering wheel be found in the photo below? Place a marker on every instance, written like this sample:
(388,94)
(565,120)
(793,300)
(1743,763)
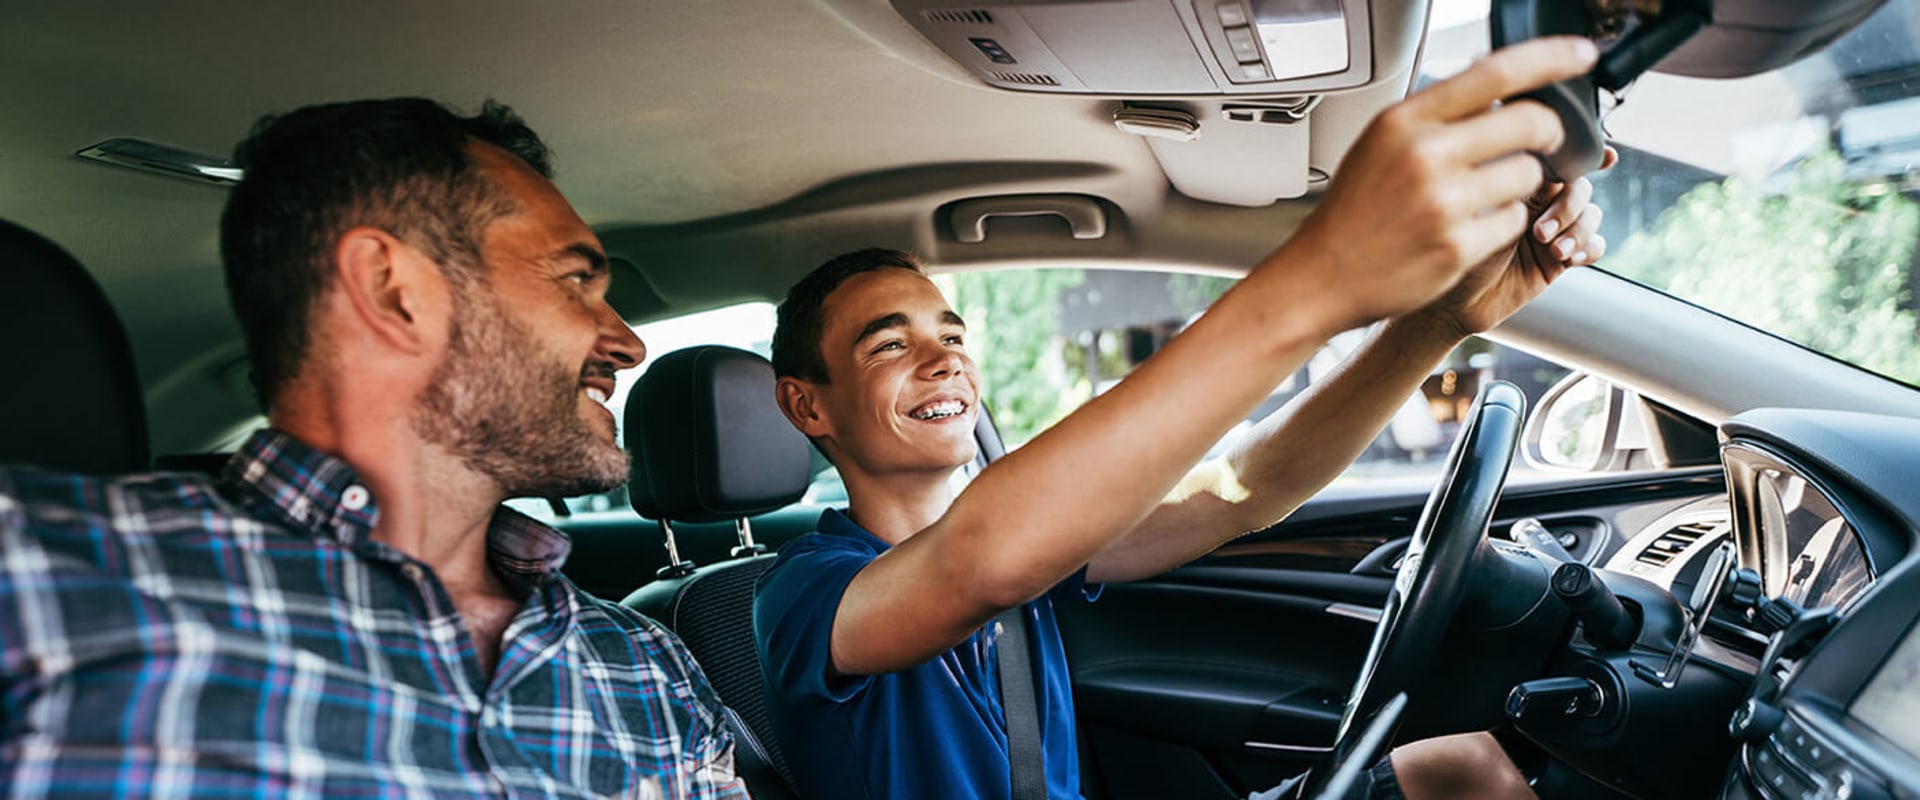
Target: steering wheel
(1438,568)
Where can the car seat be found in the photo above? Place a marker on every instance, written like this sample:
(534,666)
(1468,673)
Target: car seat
(709,444)
(72,401)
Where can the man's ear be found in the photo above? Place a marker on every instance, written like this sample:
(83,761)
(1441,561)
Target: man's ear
(800,401)
(397,294)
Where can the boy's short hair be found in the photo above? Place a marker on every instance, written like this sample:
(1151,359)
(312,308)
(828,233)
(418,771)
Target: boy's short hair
(801,319)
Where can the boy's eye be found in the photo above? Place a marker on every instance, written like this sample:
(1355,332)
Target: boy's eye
(895,345)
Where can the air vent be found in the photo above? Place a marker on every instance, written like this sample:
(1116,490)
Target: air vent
(956,16)
(1027,78)
(1672,543)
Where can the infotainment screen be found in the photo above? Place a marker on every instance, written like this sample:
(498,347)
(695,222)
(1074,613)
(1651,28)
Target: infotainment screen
(1890,703)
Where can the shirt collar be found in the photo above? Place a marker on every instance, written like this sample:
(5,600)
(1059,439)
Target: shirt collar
(521,545)
(321,495)
(313,492)
(835,522)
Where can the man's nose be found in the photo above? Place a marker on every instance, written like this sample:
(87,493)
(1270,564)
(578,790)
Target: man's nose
(618,342)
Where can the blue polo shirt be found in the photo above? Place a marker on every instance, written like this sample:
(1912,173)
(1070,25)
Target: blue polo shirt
(933,732)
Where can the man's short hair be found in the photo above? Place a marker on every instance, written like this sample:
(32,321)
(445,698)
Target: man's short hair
(401,165)
(801,320)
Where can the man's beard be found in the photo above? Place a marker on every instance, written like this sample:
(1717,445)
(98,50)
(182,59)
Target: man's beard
(512,413)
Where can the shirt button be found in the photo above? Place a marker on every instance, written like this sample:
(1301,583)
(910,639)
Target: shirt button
(354,498)
(412,571)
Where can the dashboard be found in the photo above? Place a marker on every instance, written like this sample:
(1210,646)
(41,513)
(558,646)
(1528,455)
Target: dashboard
(1825,509)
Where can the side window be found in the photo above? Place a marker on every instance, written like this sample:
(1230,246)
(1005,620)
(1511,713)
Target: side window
(748,326)
(1048,340)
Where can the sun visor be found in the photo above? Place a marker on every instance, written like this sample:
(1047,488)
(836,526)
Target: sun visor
(1172,48)
(1250,155)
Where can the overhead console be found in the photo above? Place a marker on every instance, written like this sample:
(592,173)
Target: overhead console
(1155,47)
(1243,102)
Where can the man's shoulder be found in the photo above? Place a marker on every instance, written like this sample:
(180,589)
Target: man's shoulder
(33,499)
(640,652)
(596,611)
(619,633)
(79,536)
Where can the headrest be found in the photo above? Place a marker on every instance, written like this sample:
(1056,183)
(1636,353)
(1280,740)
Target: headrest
(73,399)
(708,441)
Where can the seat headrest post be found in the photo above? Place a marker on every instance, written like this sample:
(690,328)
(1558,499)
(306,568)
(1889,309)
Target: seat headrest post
(747,547)
(676,566)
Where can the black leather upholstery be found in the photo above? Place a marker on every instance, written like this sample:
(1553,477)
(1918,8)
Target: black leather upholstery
(73,399)
(709,444)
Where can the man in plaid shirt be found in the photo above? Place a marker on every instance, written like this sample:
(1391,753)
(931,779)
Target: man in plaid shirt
(348,610)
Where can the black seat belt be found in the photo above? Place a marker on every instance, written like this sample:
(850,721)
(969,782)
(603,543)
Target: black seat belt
(1017,699)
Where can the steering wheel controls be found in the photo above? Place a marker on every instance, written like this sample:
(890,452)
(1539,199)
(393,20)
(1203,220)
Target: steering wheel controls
(1549,700)
(1606,621)
(1534,535)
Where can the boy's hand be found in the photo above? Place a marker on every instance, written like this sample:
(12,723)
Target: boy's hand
(1435,185)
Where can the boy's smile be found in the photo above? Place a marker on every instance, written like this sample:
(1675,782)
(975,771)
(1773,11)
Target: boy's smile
(902,394)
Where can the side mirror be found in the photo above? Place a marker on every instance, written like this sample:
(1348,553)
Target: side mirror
(1585,424)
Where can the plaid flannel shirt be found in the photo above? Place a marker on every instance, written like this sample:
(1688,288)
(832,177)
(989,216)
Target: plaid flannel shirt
(173,636)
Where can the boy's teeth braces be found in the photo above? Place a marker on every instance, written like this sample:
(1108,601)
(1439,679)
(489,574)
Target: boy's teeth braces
(951,408)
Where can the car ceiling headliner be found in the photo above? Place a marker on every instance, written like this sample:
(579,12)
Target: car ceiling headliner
(658,113)
(693,135)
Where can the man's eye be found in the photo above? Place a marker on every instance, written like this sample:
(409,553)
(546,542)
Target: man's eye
(894,345)
(956,339)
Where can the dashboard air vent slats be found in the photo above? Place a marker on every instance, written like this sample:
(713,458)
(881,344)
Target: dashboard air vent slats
(1670,544)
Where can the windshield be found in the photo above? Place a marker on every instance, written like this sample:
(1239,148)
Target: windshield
(1784,200)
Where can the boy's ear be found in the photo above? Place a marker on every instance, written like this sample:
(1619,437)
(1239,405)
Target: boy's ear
(800,401)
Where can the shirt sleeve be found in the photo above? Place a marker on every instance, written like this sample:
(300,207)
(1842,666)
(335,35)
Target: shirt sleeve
(706,767)
(707,754)
(793,611)
(711,771)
